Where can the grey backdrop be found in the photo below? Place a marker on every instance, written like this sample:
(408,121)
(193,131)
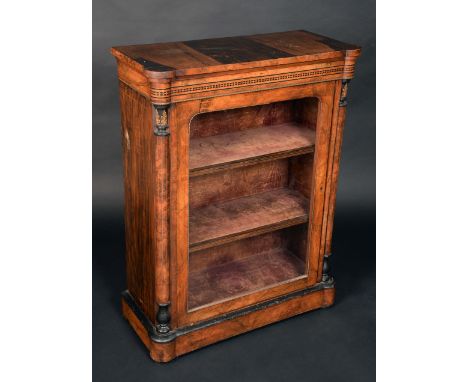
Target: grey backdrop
(338,343)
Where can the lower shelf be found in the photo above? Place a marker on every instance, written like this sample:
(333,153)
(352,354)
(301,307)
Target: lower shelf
(240,276)
(224,222)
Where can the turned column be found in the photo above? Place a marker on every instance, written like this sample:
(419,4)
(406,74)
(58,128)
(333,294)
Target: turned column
(161,202)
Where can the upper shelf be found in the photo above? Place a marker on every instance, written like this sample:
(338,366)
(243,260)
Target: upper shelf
(241,148)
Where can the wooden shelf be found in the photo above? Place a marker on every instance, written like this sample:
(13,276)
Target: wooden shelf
(248,216)
(241,148)
(252,273)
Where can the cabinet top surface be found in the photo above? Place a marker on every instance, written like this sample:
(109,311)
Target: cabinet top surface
(233,53)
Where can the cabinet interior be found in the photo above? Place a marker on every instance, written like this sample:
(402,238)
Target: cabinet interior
(249,198)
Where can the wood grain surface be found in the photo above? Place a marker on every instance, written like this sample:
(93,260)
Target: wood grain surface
(243,275)
(243,217)
(140,225)
(238,182)
(165,352)
(249,146)
(250,117)
(234,206)
(283,47)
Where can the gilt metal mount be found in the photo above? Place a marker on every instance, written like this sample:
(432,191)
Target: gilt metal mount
(160,120)
(344,92)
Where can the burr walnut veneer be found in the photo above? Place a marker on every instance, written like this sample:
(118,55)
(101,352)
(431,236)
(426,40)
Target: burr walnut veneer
(231,151)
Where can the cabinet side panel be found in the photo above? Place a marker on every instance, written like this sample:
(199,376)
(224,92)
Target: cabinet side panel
(334,178)
(138,157)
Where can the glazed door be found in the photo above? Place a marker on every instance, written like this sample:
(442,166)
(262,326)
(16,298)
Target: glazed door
(247,197)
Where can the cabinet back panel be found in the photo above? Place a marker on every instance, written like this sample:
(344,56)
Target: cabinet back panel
(300,173)
(227,121)
(306,112)
(237,182)
(237,250)
(293,238)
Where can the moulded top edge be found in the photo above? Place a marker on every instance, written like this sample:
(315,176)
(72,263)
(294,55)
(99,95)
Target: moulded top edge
(167,60)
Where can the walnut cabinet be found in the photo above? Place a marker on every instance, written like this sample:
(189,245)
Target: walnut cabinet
(231,152)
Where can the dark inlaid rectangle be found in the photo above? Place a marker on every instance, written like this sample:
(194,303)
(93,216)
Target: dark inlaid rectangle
(230,50)
(331,43)
(153,66)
